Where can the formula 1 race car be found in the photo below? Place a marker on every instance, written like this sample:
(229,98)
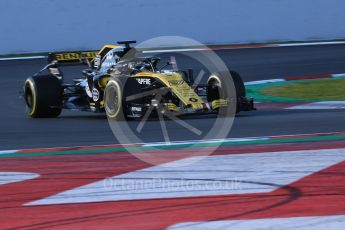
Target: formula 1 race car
(125,87)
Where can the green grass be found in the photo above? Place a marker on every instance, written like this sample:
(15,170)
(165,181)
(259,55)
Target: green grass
(313,90)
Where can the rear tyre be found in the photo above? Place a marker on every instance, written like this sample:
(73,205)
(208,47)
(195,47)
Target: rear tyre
(43,96)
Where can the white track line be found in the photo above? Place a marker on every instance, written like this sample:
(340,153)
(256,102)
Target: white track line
(311,44)
(239,46)
(192,142)
(173,142)
(2,152)
(302,223)
(22,58)
(341,75)
(173,50)
(259,82)
(321,105)
(204,176)
(264,81)
(12,177)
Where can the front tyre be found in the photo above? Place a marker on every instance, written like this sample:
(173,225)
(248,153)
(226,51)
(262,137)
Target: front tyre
(119,94)
(217,88)
(113,99)
(43,96)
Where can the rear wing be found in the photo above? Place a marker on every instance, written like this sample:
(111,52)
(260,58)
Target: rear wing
(73,58)
(90,58)
(57,60)
(79,57)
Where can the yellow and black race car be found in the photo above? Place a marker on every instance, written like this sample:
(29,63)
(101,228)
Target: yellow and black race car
(125,86)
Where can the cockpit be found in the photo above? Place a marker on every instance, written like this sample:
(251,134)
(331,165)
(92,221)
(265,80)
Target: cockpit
(136,65)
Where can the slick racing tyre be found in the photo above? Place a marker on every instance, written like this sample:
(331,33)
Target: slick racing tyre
(239,85)
(43,96)
(216,91)
(116,95)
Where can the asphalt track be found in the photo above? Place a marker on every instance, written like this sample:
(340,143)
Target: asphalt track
(287,181)
(75,128)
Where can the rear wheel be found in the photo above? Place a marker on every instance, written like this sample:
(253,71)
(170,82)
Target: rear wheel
(43,96)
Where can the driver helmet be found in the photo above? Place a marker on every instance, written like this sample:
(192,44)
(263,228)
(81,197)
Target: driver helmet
(119,51)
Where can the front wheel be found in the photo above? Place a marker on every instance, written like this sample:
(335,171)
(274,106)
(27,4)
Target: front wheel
(113,99)
(220,90)
(117,96)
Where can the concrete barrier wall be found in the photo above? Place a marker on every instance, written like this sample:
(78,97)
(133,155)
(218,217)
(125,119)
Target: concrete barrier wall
(48,25)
